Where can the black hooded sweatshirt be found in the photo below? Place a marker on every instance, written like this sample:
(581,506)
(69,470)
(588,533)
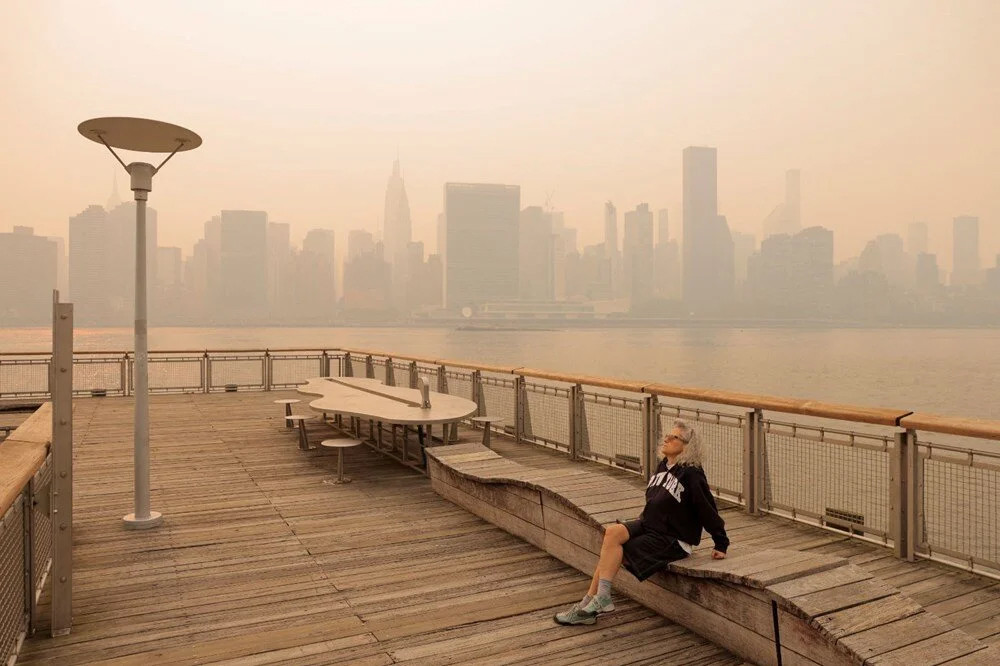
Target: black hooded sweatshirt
(679,504)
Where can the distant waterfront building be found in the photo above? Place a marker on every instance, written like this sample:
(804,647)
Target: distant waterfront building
(708,278)
(121,245)
(884,255)
(786,218)
(965,267)
(28,273)
(482,241)
(928,276)
(666,260)
(168,266)
(359,242)
(637,254)
(367,286)
(315,284)
(792,274)
(611,250)
(279,268)
(62,264)
(242,264)
(89,279)
(916,238)
(744,245)
(536,260)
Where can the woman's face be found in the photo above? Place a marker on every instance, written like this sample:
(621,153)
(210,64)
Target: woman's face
(672,445)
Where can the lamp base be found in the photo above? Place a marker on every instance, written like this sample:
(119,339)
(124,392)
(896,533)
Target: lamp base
(133,523)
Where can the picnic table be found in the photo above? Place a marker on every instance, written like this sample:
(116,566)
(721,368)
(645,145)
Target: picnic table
(371,400)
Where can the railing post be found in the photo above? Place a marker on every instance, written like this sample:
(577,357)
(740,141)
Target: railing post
(369,367)
(448,433)
(648,408)
(477,391)
(124,375)
(414,375)
(750,460)
(903,501)
(390,374)
(348,365)
(268,366)
(324,364)
(574,420)
(206,373)
(520,407)
(62,468)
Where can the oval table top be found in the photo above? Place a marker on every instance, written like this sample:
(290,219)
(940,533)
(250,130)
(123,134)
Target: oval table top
(371,399)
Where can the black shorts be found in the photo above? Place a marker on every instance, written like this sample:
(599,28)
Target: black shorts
(647,552)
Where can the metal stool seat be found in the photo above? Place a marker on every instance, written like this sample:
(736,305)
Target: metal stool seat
(340,445)
(287,402)
(301,419)
(486,422)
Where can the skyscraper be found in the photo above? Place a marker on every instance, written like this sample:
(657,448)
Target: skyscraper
(708,272)
(611,251)
(315,293)
(28,273)
(965,268)
(637,254)
(482,243)
(398,229)
(243,264)
(89,279)
(535,255)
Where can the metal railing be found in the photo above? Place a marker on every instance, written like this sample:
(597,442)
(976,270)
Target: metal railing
(861,471)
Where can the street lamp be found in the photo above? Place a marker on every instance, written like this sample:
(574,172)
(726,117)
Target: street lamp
(148,136)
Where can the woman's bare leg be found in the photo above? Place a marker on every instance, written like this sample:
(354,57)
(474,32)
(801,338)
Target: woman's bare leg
(611,554)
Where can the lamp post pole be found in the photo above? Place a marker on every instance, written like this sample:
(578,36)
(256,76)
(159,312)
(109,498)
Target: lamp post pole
(142,518)
(150,136)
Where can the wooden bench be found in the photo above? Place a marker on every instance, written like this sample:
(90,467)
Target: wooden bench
(825,610)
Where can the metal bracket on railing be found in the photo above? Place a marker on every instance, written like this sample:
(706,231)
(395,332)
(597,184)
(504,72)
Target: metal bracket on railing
(414,374)
(650,422)
(369,367)
(207,372)
(752,467)
(348,366)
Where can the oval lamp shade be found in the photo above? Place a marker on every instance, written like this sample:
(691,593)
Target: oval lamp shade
(140,134)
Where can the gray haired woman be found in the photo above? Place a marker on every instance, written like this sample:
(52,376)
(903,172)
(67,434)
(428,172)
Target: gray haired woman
(679,504)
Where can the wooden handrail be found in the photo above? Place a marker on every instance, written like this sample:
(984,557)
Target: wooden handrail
(981,428)
(23,453)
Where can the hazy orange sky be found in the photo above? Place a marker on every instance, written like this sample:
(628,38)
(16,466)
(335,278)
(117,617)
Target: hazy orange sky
(889,108)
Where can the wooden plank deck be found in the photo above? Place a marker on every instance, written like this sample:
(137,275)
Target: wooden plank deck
(259,562)
(966,601)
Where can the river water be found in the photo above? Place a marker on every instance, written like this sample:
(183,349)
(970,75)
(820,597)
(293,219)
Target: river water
(946,371)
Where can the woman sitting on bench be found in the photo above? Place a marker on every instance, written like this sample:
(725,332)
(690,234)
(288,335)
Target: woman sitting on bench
(678,505)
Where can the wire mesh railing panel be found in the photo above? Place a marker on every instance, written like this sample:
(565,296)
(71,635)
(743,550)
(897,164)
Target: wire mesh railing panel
(169,374)
(546,415)
(237,371)
(401,373)
(24,377)
(378,366)
(13,619)
(289,371)
(459,383)
(42,530)
(959,513)
(498,399)
(99,374)
(721,437)
(838,479)
(612,429)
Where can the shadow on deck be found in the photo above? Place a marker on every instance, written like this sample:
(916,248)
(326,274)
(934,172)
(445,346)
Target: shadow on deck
(259,562)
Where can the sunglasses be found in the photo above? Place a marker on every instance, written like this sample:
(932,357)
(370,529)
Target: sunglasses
(679,439)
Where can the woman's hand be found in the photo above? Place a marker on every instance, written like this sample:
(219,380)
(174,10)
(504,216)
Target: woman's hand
(716,555)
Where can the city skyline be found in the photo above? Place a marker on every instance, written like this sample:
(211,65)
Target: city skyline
(865,126)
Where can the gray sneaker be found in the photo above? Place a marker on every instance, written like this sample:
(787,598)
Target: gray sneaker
(576,615)
(598,605)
